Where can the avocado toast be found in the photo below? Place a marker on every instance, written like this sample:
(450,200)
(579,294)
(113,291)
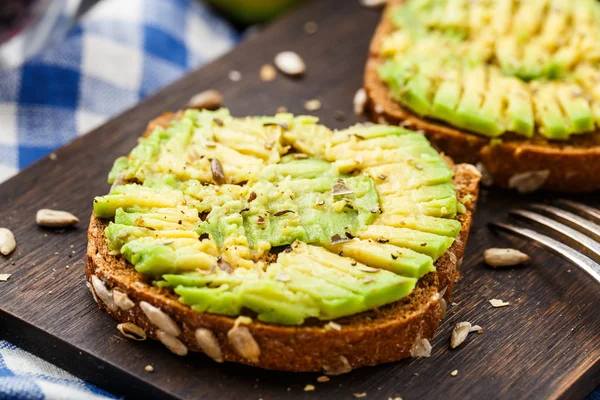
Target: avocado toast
(511,84)
(276,242)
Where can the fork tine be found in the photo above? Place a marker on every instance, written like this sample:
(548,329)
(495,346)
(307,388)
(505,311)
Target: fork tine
(583,262)
(583,208)
(587,242)
(575,219)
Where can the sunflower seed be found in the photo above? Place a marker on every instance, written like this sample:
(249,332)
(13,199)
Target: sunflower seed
(208,343)
(337,239)
(309,388)
(360,395)
(122,300)
(421,348)
(340,190)
(504,257)
(206,100)
(290,63)
(373,3)
(217,171)
(311,27)
(243,343)
(332,326)
(235,76)
(282,212)
(459,334)
(132,331)
(323,379)
(7,241)
(268,73)
(498,303)
(342,366)
(528,182)
(149,368)
(4,277)
(283,277)
(312,105)
(172,343)
(55,219)
(359,102)
(454,373)
(443,308)
(103,293)
(160,319)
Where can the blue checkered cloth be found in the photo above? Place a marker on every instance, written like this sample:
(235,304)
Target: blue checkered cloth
(120,52)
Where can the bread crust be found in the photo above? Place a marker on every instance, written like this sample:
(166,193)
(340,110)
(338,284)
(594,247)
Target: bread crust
(574,165)
(374,337)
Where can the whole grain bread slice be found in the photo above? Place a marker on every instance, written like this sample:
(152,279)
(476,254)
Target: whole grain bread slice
(573,165)
(386,334)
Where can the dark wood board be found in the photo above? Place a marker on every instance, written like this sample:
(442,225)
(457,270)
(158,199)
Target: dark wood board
(546,344)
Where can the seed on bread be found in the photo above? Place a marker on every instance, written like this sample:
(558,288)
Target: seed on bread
(160,319)
(172,343)
(359,101)
(290,63)
(495,257)
(206,100)
(421,348)
(132,331)
(122,300)
(103,293)
(243,343)
(208,343)
(333,326)
(341,366)
(528,182)
(7,241)
(55,218)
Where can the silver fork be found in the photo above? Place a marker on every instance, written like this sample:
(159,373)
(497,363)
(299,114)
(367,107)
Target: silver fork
(575,219)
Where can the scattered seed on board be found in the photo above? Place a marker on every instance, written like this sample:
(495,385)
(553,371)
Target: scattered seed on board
(454,373)
(312,105)
(498,303)
(55,219)
(206,100)
(290,63)
(4,277)
(235,76)
(528,182)
(311,27)
(268,72)
(360,395)
(323,379)
(149,368)
(459,334)
(359,101)
(309,388)
(7,241)
(495,257)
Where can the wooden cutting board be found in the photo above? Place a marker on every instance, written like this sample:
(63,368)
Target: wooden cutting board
(546,344)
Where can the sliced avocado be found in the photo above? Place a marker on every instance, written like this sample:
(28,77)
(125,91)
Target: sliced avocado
(553,124)
(576,108)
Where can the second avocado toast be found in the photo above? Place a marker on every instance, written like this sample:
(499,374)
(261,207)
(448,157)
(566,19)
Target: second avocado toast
(276,242)
(513,85)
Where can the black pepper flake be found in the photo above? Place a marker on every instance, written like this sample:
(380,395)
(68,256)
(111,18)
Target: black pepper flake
(252,197)
(218,121)
(341,254)
(382,177)
(180,222)
(353,263)
(381,240)
(349,235)
(260,220)
(203,236)
(356,135)
(394,256)
(282,212)
(287,249)
(244,210)
(423,244)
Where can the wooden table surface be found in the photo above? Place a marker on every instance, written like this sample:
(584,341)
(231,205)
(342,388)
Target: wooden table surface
(546,344)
